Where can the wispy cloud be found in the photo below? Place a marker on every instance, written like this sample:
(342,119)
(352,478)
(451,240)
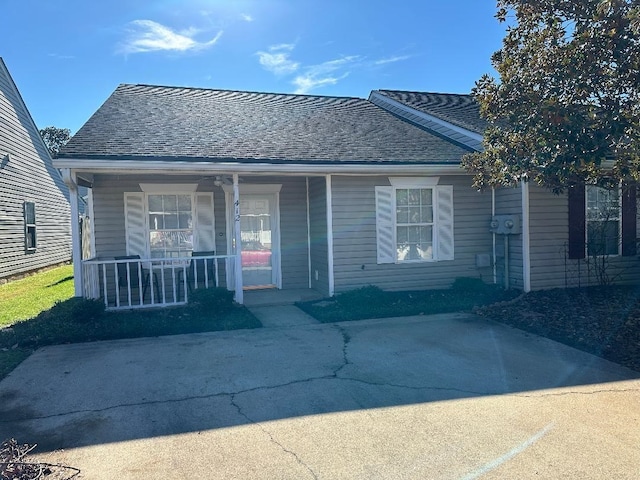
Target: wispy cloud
(323,74)
(149,36)
(277,59)
(397,58)
(246,17)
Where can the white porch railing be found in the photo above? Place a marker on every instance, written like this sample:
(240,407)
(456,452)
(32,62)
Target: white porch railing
(157,282)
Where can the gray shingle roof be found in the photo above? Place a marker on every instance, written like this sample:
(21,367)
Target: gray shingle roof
(174,123)
(458,109)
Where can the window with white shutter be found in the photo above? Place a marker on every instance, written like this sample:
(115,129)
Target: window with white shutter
(414,222)
(165,225)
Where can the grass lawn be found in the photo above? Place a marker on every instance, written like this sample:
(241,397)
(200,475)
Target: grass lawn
(26,298)
(77,320)
(372,302)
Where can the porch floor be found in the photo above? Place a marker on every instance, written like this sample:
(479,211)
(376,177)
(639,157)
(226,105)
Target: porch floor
(273,297)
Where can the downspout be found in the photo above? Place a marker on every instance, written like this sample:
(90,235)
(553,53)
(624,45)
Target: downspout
(238,238)
(330,236)
(70,181)
(526,244)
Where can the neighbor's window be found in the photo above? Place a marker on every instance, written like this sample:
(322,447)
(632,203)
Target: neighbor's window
(30,226)
(603,220)
(170,225)
(414,224)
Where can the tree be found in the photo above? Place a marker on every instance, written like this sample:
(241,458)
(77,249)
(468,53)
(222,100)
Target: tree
(55,138)
(566,108)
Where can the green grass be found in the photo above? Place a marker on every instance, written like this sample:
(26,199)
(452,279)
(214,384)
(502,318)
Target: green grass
(77,320)
(26,298)
(372,302)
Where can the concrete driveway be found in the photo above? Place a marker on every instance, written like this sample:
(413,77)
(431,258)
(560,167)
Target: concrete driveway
(445,396)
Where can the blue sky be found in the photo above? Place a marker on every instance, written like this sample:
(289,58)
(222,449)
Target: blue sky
(68,56)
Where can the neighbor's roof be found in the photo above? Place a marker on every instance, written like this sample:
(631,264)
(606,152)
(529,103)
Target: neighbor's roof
(458,109)
(143,122)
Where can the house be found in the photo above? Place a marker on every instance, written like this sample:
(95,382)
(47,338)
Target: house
(586,236)
(34,206)
(254,190)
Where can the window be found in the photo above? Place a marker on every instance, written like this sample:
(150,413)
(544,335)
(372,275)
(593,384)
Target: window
(603,217)
(414,221)
(414,224)
(169,221)
(170,225)
(30,242)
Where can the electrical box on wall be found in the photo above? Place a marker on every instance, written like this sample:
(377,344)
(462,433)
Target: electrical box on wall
(505,224)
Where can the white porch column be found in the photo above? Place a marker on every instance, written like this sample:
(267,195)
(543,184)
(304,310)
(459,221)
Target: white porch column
(69,178)
(526,245)
(330,236)
(238,240)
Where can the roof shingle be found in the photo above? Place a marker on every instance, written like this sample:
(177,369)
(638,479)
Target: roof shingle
(175,123)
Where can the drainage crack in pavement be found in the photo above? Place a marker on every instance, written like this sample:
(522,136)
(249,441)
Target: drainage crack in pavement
(271,437)
(573,392)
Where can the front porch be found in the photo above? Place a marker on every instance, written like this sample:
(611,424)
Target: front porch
(276,226)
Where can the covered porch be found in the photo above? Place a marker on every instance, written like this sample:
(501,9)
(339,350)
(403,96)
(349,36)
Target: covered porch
(155,238)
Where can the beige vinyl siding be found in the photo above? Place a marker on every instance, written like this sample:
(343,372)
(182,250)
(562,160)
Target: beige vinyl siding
(318,215)
(109,225)
(509,202)
(550,267)
(28,175)
(354,233)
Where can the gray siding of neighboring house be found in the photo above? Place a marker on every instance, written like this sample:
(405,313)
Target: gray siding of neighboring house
(550,267)
(509,202)
(354,230)
(318,216)
(109,222)
(27,174)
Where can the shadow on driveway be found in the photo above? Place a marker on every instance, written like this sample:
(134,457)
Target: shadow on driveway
(96,393)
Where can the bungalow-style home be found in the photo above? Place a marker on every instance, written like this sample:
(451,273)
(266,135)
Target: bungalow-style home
(34,207)
(246,190)
(586,236)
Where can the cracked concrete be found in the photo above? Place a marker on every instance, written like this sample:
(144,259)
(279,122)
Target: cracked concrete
(418,397)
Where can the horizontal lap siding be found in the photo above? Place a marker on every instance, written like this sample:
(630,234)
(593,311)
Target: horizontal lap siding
(318,216)
(509,202)
(28,176)
(354,230)
(109,225)
(549,235)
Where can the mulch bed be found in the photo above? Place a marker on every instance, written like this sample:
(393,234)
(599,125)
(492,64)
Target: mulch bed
(604,321)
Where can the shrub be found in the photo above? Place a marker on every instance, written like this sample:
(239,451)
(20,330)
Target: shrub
(470,284)
(361,296)
(211,300)
(76,310)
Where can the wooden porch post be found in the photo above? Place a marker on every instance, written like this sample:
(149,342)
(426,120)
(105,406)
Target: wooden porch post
(238,239)
(330,235)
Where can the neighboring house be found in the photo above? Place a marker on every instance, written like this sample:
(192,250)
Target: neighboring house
(584,237)
(34,206)
(310,192)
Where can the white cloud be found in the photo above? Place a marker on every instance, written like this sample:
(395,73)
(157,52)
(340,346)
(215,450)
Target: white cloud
(246,18)
(323,74)
(149,36)
(277,60)
(397,58)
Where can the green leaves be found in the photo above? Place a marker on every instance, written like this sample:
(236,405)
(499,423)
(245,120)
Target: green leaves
(567,97)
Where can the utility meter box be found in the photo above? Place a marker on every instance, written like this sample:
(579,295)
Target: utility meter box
(505,224)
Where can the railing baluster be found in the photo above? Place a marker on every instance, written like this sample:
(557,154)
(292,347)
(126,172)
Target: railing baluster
(173,281)
(215,260)
(140,287)
(195,274)
(164,290)
(129,283)
(115,276)
(104,285)
(151,283)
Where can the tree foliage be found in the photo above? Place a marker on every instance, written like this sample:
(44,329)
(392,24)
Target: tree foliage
(567,103)
(55,138)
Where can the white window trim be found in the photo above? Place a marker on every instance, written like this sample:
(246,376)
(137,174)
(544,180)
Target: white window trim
(169,188)
(586,224)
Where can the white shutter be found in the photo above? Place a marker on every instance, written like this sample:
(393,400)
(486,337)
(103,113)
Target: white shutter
(385,223)
(135,224)
(444,223)
(205,232)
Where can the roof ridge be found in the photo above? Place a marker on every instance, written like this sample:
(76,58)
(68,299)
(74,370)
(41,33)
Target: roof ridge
(225,90)
(425,93)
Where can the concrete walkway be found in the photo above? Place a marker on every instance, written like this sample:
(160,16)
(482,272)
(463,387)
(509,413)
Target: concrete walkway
(440,397)
(282,316)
